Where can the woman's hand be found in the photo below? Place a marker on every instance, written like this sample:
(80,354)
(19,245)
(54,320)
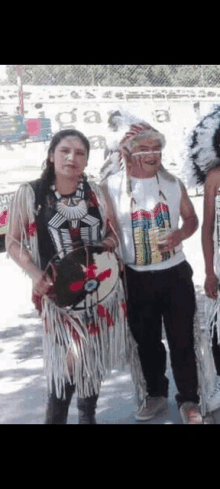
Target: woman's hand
(41,283)
(211,286)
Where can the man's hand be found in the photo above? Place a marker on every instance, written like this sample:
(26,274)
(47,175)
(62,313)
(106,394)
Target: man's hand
(170,241)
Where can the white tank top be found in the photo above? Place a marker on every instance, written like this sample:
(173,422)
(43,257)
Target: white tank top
(153,210)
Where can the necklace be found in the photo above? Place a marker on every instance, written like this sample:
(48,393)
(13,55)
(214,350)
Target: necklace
(77,211)
(70,212)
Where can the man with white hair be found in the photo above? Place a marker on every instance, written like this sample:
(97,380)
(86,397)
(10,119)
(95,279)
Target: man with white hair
(147,203)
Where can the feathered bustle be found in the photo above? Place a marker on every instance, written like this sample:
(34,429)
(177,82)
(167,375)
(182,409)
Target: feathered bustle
(202,149)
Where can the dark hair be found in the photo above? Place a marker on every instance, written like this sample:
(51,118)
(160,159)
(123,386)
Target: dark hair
(216,142)
(48,171)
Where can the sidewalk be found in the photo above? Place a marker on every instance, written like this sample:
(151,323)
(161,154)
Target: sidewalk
(23,385)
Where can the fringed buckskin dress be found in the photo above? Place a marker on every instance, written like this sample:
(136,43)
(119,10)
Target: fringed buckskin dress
(81,344)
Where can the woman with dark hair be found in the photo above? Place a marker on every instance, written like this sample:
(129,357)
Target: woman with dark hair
(61,233)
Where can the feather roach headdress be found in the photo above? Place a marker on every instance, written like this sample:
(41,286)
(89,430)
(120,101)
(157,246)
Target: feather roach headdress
(127,126)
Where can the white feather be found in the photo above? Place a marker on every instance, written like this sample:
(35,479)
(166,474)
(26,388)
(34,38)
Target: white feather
(112,164)
(203,152)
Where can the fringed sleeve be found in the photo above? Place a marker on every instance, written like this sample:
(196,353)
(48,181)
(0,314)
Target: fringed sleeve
(22,225)
(203,349)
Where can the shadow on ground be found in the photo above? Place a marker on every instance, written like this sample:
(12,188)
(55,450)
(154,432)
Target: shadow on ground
(23,392)
(27,336)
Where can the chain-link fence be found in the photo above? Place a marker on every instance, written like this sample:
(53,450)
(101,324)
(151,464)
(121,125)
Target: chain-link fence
(118,75)
(36,101)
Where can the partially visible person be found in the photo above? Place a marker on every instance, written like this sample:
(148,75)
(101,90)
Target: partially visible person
(202,170)
(210,245)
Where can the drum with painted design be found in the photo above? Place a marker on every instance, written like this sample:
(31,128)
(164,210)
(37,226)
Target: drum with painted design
(85,277)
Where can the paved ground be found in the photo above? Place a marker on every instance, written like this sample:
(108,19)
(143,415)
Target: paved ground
(23,385)
(22,380)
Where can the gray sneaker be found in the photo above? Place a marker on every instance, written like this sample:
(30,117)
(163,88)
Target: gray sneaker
(150,407)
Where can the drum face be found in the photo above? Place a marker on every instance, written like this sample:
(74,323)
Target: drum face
(86,274)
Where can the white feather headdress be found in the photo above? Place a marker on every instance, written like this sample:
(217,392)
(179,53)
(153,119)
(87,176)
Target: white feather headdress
(123,120)
(203,149)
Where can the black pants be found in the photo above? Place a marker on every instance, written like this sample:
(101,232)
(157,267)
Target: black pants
(169,294)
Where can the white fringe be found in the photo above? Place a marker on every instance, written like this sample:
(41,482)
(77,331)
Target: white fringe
(22,211)
(207,320)
(137,375)
(212,314)
(203,349)
(92,355)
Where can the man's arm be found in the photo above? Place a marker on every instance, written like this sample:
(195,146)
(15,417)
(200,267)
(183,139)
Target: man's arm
(188,214)
(190,222)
